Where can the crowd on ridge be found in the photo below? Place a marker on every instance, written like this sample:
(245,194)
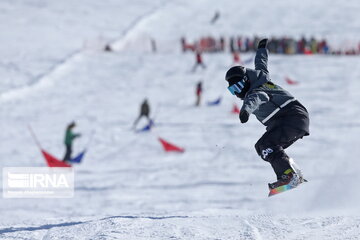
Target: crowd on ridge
(278,45)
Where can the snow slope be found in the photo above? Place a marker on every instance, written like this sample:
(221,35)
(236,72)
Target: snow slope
(127,187)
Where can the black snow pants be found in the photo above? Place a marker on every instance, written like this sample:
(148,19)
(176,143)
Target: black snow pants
(271,145)
(68,152)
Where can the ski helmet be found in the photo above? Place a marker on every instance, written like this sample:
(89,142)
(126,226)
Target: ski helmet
(238,81)
(234,74)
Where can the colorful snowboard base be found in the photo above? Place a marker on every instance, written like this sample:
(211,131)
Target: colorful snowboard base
(283,188)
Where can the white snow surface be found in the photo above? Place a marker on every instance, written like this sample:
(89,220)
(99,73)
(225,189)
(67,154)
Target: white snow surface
(53,71)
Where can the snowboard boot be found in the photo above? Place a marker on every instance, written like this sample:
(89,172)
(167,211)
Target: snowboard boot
(296,168)
(289,177)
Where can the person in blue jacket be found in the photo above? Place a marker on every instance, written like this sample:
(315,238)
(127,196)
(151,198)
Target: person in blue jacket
(285,118)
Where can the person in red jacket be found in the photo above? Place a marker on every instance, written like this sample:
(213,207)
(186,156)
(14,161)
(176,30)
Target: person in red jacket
(236,57)
(199,61)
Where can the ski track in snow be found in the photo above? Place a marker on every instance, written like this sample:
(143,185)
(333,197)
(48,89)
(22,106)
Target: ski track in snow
(50,226)
(254,232)
(45,78)
(182,227)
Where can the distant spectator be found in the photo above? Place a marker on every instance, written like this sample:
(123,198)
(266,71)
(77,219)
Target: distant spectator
(247,44)
(183,44)
(313,45)
(208,44)
(198,93)
(231,45)
(186,46)
(323,47)
(279,45)
(222,44)
(239,44)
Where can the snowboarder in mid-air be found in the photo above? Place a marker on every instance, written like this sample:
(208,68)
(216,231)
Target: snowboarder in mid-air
(285,118)
(69,138)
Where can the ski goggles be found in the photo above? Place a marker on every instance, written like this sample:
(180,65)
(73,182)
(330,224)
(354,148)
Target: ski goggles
(237,87)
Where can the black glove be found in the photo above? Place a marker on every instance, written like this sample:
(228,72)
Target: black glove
(263,43)
(244,116)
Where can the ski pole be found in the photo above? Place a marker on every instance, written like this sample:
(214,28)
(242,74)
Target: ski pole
(34,136)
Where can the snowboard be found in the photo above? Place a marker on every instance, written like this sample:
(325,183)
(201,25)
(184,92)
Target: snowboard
(287,187)
(284,188)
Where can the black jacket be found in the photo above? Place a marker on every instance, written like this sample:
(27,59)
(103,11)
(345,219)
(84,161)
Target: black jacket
(272,105)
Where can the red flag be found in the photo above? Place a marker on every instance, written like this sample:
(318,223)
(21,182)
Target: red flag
(290,81)
(235,109)
(53,161)
(168,147)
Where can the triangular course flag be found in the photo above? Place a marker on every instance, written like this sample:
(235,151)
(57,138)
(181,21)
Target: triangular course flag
(53,161)
(78,158)
(169,147)
(235,109)
(290,81)
(215,102)
(147,127)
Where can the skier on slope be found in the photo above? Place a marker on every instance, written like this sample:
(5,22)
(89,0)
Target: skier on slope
(69,138)
(144,112)
(285,118)
(199,61)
